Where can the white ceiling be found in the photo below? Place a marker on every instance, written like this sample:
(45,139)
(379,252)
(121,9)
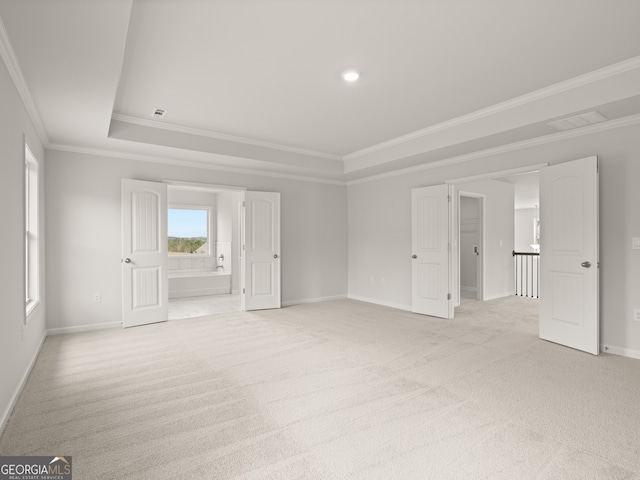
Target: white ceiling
(256,83)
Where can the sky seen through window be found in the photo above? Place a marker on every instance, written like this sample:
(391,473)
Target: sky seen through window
(187,223)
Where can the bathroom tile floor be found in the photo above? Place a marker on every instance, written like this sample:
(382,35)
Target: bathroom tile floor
(191,307)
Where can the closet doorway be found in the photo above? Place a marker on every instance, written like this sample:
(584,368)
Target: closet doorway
(470,215)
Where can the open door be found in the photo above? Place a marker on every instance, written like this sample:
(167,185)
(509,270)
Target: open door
(261,251)
(431,257)
(569,255)
(145,294)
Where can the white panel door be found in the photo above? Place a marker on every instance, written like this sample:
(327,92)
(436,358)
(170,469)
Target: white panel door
(145,295)
(431,254)
(569,254)
(261,251)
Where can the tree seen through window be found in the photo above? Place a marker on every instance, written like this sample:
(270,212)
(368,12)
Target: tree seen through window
(188,230)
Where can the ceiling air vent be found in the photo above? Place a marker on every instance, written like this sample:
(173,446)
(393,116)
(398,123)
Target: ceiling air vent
(578,121)
(159,113)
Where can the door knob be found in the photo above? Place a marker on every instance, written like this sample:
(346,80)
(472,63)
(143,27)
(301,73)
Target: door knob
(586,264)
(414,256)
(275,255)
(127,260)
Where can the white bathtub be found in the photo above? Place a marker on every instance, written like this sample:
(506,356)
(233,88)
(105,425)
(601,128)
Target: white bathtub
(195,283)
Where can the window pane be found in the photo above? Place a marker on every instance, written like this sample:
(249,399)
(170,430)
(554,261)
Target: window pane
(188,231)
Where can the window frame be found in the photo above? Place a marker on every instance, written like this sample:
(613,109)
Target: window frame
(208,209)
(31,232)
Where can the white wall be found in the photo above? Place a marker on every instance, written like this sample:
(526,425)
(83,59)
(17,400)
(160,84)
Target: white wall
(524,228)
(19,343)
(380,225)
(83,225)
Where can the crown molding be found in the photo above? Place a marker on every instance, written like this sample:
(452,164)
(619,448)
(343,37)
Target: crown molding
(547,139)
(537,95)
(189,163)
(11,61)
(202,186)
(511,147)
(219,136)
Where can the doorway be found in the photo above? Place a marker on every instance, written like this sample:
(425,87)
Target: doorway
(568,277)
(470,227)
(204,245)
(145,256)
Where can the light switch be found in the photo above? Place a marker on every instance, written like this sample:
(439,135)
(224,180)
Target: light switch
(635,243)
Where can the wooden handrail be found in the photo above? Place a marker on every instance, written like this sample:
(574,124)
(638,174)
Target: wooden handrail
(533,254)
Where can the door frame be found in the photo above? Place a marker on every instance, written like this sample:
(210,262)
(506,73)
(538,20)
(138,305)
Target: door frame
(481,226)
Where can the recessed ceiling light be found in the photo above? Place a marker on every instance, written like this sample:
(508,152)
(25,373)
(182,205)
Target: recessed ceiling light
(350,75)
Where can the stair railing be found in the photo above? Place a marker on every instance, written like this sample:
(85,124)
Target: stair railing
(527,274)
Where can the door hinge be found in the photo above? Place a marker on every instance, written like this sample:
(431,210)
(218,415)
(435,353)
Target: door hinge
(448,246)
(243,203)
(449,198)
(448,296)
(243,291)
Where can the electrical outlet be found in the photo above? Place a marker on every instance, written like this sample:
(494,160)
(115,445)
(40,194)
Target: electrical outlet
(636,314)
(97,298)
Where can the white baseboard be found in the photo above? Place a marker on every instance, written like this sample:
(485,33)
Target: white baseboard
(468,290)
(83,328)
(23,381)
(313,300)
(622,351)
(378,302)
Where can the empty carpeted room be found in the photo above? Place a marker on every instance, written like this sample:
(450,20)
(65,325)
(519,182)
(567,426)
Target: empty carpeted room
(413,246)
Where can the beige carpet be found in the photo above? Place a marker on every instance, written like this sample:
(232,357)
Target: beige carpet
(336,390)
